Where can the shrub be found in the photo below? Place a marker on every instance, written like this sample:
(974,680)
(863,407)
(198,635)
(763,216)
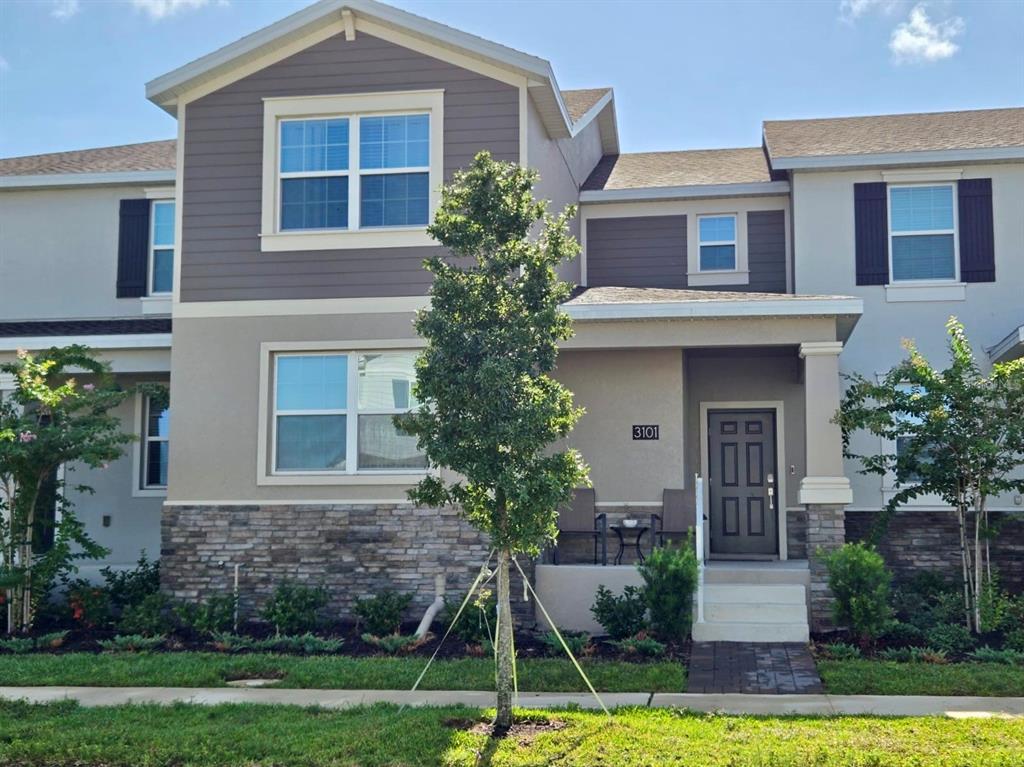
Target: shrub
(304,644)
(1014,640)
(896,654)
(215,615)
(928,655)
(859,582)
(88,604)
(131,643)
(294,608)
(639,645)
(129,587)
(227,642)
(396,643)
(951,638)
(477,620)
(900,634)
(989,655)
(382,615)
(578,642)
(840,651)
(51,641)
(670,578)
(18,645)
(148,617)
(620,616)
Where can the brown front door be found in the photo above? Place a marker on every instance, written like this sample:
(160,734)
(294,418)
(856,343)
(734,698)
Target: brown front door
(742,483)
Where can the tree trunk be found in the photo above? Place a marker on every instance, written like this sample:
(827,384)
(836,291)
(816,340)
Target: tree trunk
(962,520)
(977,569)
(503,646)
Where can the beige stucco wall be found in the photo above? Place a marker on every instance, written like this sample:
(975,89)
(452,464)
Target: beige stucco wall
(58,253)
(619,389)
(824,253)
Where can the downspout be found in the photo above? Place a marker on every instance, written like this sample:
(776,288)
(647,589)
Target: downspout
(435,607)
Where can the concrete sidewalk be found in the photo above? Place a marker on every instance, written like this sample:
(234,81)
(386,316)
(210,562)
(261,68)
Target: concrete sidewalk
(911,705)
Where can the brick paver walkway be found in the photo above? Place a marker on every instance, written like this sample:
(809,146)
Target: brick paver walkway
(765,669)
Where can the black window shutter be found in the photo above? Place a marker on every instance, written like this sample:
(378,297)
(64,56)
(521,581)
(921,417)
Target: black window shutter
(871,228)
(977,241)
(133,249)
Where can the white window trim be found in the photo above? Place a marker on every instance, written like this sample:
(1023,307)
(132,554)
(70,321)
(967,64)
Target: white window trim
(352,106)
(955,232)
(889,488)
(139,489)
(698,277)
(266,470)
(150,273)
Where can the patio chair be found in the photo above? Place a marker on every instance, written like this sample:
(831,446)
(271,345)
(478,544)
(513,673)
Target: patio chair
(675,520)
(580,517)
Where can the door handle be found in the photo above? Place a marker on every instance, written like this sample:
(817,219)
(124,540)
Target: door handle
(771,498)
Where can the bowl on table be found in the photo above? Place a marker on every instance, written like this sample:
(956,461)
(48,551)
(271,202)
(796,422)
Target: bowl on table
(629,523)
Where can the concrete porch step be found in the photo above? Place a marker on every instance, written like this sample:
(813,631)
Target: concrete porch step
(760,573)
(748,593)
(745,631)
(755,612)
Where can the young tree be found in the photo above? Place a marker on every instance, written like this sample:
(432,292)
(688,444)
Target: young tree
(960,435)
(490,411)
(48,421)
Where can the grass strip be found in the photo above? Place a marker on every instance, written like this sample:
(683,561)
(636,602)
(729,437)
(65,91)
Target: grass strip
(66,735)
(872,677)
(328,672)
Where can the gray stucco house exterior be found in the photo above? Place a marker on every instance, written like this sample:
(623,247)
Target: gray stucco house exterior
(267,263)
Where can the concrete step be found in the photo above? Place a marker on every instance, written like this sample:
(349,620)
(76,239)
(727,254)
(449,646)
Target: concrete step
(793,571)
(742,631)
(755,612)
(744,593)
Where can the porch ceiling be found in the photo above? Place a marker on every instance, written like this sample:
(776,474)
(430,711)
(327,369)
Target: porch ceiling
(679,317)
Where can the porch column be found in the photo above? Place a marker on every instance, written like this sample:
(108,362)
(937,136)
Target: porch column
(825,489)
(824,482)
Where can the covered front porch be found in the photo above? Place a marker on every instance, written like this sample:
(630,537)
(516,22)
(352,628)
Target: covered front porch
(736,388)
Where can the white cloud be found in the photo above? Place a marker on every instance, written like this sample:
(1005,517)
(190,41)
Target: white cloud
(851,10)
(159,9)
(919,39)
(65,9)
(5,65)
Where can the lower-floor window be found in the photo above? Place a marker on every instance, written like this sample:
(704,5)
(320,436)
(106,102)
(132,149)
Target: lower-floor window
(155,445)
(334,412)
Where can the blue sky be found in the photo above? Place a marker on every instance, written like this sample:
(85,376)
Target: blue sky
(686,74)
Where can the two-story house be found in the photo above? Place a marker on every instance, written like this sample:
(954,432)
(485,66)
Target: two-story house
(721,294)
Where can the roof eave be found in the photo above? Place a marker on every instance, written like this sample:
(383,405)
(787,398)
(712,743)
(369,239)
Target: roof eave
(822,162)
(107,178)
(752,189)
(782,307)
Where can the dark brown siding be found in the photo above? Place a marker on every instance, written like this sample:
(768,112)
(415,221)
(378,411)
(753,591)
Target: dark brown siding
(650,252)
(766,251)
(637,252)
(221,257)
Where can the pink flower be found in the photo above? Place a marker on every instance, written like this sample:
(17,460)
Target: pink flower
(89,387)
(27,436)
(105,466)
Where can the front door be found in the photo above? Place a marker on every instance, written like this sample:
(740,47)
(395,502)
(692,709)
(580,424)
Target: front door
(742,483)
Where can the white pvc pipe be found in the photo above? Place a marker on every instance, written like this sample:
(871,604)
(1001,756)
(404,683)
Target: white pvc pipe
(435,607)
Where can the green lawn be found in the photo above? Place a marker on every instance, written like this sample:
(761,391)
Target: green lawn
(872,677)
(325,672)
(65,735)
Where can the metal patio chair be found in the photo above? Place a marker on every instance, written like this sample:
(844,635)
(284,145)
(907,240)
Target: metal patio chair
(580,517)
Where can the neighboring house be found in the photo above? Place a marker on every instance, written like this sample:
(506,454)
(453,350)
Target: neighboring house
(722,293)
(86,256)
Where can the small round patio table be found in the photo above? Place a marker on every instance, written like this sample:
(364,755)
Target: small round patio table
(621,531)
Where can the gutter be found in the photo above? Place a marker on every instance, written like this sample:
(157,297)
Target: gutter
(821,162)
(44,180)
(716,309)
(112,341)
(754,189)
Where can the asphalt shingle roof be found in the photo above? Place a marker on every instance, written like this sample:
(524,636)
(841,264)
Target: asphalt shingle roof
(690,168)
(935,131)
(579,102)
(151,155)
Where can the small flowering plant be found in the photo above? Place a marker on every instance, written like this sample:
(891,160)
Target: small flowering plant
(48,421)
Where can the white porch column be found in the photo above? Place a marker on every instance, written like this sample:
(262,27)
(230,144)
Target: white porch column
(824,482)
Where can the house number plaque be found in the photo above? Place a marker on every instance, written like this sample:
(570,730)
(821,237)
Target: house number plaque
(648,431)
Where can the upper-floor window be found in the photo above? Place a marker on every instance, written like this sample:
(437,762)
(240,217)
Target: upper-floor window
(156,429)
(161,247)
(333,413)
(922,233)
(717,242)
(351,171)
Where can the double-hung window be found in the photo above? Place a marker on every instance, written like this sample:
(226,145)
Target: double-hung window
(161,247)
(394,170)
(156,426)
(333,413)
(314,174)
(922,233)
(717,242)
